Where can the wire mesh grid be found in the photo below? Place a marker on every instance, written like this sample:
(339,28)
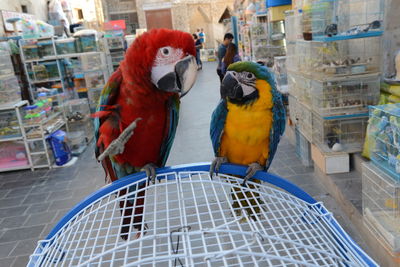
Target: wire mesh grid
(193,220)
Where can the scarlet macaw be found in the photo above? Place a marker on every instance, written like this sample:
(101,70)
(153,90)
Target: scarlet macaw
(137,115)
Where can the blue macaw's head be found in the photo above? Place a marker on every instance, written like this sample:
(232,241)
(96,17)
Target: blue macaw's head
(239,84)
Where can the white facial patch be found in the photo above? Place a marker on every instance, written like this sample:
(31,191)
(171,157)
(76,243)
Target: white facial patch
(167,55)
(157,72)
(247,89)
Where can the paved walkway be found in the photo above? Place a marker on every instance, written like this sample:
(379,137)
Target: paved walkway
(32,202)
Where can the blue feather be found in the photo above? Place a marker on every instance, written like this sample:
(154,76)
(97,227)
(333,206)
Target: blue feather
(174,103)
(217,125)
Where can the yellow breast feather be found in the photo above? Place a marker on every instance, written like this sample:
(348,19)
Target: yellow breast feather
(247,129)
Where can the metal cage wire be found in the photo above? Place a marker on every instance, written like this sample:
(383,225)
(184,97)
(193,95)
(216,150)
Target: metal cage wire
(194,220)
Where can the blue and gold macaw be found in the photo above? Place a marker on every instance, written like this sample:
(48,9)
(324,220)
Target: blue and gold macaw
(248,123)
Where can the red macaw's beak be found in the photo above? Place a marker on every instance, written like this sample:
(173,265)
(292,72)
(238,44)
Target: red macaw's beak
(178,77)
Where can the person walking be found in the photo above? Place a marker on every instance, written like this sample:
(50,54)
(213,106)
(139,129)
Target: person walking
(231,56)
(228,37)
(198,44)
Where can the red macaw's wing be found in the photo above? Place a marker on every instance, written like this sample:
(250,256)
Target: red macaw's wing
(106,120)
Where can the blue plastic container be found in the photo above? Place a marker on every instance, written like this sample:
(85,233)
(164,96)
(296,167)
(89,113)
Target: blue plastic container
(272,3)
(61,151)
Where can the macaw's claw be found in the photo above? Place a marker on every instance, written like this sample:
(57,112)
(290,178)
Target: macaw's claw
(117,146)
(216,164)
(150,170)
(251,170)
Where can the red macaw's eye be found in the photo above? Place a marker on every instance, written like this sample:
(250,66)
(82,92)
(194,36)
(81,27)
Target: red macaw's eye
(168,55)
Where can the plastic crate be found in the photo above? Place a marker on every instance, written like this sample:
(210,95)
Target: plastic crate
(45,48)
(9,83)
(9,126)
(305,121)
(10,96)
(6,66)
(381,204)
(280,72)
(31,51)
(76,142)
(340,58)
(115,42)
(384,138)
(94,80)
(92,61)
(12,154)
(293,27)
(77,109)
(344,96)
(300,86)
(303,149)
(293,109)
(339,134)
(52,69)
(352,18)
(66,46)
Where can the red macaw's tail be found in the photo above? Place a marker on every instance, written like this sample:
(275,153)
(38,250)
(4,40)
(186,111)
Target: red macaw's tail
(133,205)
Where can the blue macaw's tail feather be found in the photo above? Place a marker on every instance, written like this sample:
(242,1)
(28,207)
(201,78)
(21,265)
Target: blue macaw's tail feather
(279,120)
(217,125)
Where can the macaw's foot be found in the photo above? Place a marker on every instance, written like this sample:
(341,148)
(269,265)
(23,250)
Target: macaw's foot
(150,170)
(251,170)
(117,146)
(216,164)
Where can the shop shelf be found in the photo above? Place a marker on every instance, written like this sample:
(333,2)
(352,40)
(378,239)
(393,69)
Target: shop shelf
(30,50)
(340,133)
(381,204)
(340,58)
(384,138)
(351,18)
(345,95)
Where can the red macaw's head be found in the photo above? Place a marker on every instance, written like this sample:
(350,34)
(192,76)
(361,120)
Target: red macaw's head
(164,58)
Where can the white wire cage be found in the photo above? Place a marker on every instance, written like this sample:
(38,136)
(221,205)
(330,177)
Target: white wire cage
(193,220)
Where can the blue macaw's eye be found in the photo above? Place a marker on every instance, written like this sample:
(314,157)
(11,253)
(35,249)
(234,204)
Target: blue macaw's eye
(250,75)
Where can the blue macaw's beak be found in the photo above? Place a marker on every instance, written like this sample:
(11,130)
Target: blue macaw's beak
(231,87)
(178,78)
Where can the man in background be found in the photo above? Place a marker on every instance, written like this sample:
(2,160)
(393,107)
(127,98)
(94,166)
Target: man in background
(202,36)
(228,37)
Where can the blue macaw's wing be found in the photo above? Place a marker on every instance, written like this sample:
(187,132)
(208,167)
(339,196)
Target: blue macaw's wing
(173,118)
(217,125)
(108,98)
(278,124)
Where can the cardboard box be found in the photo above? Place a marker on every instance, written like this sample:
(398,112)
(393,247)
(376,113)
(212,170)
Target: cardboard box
(330,163)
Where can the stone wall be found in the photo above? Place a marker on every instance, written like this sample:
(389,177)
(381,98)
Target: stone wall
(189,15)
(35,7)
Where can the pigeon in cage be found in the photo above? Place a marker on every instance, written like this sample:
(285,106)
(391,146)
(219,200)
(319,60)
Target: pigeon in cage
(247,125)
(137,115)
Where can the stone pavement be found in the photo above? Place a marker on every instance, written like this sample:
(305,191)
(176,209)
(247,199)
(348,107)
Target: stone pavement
(32,202)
